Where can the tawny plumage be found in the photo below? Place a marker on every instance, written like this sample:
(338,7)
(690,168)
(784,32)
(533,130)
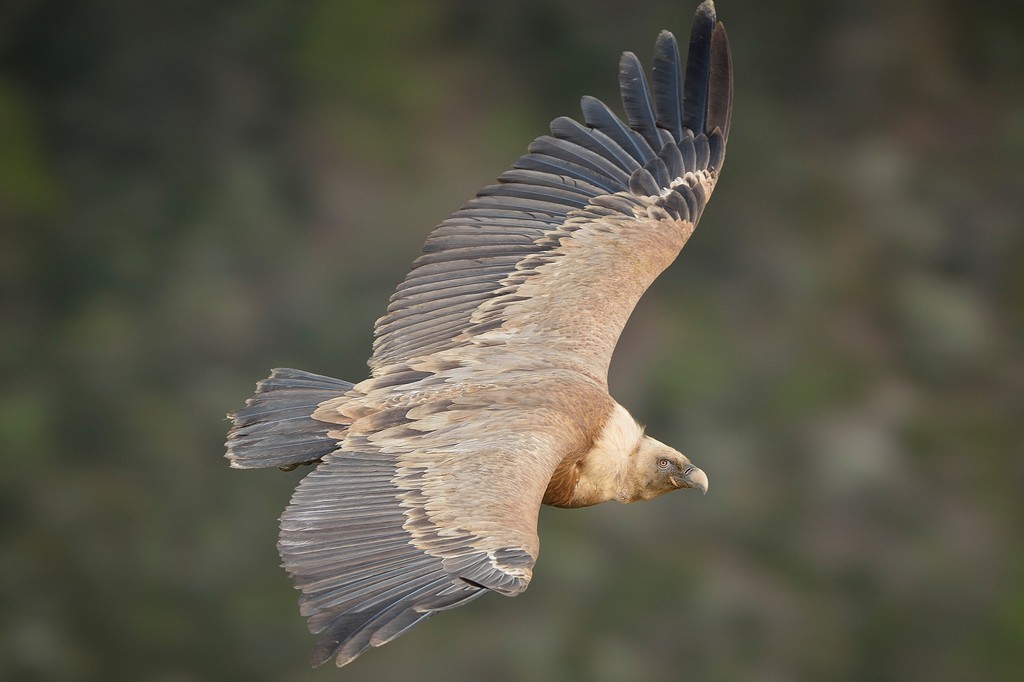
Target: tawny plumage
(488,389)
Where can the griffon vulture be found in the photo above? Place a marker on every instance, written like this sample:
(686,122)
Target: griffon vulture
(488,392)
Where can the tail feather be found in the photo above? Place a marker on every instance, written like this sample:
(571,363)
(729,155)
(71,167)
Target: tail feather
(276,427)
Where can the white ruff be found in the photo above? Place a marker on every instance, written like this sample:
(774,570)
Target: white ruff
(608,460)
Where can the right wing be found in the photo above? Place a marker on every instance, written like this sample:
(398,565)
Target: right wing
(425,506)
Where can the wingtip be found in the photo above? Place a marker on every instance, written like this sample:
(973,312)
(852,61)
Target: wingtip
(629,63)
(698,68)
(707,8)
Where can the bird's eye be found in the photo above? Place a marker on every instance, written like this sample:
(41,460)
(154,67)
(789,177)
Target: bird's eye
(663,463)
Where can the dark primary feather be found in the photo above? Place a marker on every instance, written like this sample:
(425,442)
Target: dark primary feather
(571,197)
(532,178)
(668,101)
(597,115)
(555,165)
(698,69)
(565,128)
(579,155)
(720,83)
(636,99)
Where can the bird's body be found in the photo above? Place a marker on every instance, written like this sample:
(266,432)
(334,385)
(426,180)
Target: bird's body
(488,391)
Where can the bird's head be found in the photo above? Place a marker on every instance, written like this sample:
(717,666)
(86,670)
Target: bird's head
(658,469)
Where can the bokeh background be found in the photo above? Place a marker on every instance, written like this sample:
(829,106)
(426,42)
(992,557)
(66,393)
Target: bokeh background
(194,192)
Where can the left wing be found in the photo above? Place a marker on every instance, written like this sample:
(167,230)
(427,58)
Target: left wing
(550,261)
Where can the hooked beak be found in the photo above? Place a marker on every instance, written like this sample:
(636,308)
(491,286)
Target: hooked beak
(695,478)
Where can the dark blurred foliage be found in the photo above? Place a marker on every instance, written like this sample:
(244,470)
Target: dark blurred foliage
(194,192)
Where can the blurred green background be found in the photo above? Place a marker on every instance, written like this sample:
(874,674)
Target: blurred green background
(194,192)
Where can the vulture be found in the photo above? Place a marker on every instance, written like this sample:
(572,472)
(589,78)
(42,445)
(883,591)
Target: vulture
(488,388)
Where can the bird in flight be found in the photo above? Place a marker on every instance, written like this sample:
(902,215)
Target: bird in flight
(488,387)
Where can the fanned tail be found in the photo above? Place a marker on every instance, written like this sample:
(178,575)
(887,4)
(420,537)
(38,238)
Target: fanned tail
(276,429)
